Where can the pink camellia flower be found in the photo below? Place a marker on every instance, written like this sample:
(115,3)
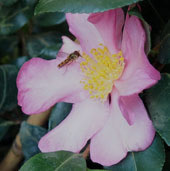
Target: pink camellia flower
(103,83)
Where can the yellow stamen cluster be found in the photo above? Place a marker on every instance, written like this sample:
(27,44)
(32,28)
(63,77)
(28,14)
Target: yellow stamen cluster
(100,71)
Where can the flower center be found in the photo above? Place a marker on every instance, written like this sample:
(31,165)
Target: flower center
(100,71)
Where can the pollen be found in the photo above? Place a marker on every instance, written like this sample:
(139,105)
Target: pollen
(101,69)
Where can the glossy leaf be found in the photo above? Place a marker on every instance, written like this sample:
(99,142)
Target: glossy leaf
(58,114)
(30,136)
(44,45)
(157,102)
(164,52)
(152,158)
(59,161)
(49,19)
(83,6)
(8,89)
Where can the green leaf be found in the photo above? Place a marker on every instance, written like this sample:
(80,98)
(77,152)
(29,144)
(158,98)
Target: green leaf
(58,114)
(152,158)
(50,52)
(59,161)
(49,19)
(44,45)
(30,136)
(4,127)
(135,12)
(8,89)
(157,102)
(95,170)
(164,52)
(83,6)
(8,2)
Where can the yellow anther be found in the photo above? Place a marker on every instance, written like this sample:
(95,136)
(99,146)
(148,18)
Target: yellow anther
(100,50)
(121,59)
(100,71)
(93,51)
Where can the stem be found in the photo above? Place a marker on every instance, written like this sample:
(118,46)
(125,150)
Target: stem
(14,156)
(86,152)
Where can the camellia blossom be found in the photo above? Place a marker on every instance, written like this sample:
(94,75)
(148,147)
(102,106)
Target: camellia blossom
(103,84)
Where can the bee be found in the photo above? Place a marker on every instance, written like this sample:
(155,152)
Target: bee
(70,58)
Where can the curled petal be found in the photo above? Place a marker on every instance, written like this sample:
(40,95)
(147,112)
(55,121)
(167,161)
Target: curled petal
(41,84)
(119,135)
(138,74)
(140,132)
(84,31)
(69,46)
(85,119)
(109,24)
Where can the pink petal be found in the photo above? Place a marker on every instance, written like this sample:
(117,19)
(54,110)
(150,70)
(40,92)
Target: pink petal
(85,119)
(84,31)
(139,74)
(139,135)
(41,84)
(109,24)
(136,83)
(111,144)
(106,146)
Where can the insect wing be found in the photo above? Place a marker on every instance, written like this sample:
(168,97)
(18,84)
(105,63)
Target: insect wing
(62,55)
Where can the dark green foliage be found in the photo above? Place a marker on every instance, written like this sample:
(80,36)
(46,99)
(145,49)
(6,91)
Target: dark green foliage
(166,30)
(24,35)
(164,53)
(20,61)
(8,44)
(8,2)
(44,45)
(58,114)
(30,135)
(49,19)
(61,161)
(157,102)
(14,17)
(95,170)
(4,127)
(8,88)
(82,6)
